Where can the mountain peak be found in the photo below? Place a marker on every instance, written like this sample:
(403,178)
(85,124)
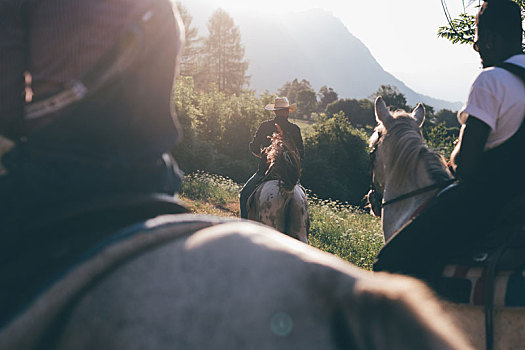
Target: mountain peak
(315,45)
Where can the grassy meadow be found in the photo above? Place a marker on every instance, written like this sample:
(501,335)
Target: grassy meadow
(335,227)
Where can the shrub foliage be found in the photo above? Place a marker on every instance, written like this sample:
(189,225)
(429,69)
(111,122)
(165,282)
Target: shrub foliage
(218,128)
(336,160)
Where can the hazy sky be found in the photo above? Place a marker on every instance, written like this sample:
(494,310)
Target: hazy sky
(401,34)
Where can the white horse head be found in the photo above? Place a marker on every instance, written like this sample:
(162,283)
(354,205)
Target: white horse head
(401,164)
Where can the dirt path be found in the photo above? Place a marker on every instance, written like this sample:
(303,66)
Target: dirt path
(200,207)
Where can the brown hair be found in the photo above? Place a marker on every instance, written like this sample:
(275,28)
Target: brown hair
(283,159)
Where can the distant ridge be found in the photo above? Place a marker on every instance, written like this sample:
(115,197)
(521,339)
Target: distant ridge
(316,46)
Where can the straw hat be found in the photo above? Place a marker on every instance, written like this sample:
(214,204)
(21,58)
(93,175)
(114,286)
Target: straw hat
(281,103)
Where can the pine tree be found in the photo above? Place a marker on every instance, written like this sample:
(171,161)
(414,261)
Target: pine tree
(190,54)
(225,65)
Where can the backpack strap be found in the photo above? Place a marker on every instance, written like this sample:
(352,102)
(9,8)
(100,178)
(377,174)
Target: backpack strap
(518,71)
(516,142)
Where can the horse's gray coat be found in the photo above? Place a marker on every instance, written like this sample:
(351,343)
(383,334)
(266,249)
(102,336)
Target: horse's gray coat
(286,211)
(191,282)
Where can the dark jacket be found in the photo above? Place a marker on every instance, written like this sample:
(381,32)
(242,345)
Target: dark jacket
(264,133)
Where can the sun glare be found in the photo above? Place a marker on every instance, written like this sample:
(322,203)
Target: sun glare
(384,27)
(270,6)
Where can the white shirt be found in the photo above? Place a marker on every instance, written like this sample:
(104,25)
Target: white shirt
(497,98)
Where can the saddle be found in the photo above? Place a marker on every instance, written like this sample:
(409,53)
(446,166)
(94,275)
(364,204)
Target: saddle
(498,260)
(50,242)
(491,273)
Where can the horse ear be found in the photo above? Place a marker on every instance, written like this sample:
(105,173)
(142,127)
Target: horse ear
(419,114)
(382,113)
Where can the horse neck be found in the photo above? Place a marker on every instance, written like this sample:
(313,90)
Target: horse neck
(287,173)
(285,163)
(423,170)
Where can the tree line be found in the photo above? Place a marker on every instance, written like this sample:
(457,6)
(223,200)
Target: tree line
(218,128)
(216,61)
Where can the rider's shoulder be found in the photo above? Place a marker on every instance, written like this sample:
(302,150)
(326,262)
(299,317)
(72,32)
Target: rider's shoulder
(295,126)
(267,123)
(495,75)
(499,82)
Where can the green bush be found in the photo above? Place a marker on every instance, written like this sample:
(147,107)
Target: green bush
(209,187)
(360,113)
(441,138)
(344,230)
(217,129)
(336,161)
(335,227)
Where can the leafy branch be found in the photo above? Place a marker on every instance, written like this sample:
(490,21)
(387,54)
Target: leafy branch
(461,30)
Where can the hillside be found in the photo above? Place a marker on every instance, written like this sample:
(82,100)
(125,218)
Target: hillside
(314,45)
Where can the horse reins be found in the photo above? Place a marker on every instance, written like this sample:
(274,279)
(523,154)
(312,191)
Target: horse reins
(438,185)
(377,197)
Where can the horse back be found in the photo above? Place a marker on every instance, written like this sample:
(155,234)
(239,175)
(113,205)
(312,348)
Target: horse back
(298,215)
(234,285)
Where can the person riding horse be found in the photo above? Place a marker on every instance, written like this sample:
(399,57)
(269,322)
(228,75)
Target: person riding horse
(262,139)
(486,159)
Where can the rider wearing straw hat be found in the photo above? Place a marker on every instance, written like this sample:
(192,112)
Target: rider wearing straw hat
(282,109)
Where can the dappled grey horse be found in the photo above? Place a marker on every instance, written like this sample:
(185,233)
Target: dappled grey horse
(279,201)
(199,282)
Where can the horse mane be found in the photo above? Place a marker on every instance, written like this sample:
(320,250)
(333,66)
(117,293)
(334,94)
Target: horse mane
(284,162)
(409,147)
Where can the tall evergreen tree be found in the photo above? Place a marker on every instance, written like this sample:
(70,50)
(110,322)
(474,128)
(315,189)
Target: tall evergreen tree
(190,54)
(223,52)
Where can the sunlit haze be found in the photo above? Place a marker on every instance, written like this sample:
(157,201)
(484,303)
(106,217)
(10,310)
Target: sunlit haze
(401,35)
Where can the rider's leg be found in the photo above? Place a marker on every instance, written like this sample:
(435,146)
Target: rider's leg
(246,191)
(452,224)
(419,248)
